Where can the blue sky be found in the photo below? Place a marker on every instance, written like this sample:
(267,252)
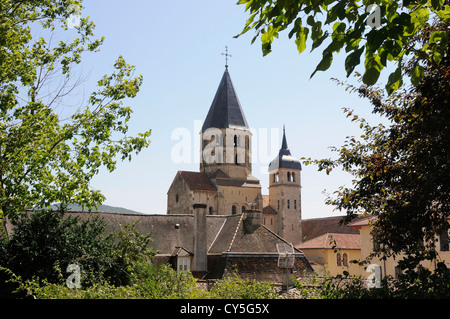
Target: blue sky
(177,46)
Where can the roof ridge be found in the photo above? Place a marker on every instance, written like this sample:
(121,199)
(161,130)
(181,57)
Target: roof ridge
(279,237)
(235,232)
(218,233)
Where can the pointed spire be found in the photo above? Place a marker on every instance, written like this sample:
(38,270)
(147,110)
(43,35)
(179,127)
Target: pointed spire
(284,158)
(225,110)
(284,143)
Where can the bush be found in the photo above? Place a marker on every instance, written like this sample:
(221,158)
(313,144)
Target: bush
(149,282)
(421,283)
(45,239)
(234,287)
(163,282)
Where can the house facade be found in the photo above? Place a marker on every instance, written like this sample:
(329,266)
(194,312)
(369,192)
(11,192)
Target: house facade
(389,266)
(331,253)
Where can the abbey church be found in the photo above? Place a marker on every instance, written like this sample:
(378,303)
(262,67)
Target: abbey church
(218,222)
(225,183)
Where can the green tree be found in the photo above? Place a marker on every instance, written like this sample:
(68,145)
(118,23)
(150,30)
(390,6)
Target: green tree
(401,170)
(377,31)
(235,287)
(48,155)
(44,241)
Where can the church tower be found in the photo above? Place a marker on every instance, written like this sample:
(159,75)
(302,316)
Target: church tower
(225,183)
(285,193)
(225,136)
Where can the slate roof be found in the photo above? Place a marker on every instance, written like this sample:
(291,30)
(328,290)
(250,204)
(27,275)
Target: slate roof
(225,233)
(233,238)
(225,110)
(284,158)
(197,181)
(227,238)
(168,231)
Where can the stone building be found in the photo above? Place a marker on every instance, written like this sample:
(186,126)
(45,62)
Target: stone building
(225,183)
(217,220)
(210,246)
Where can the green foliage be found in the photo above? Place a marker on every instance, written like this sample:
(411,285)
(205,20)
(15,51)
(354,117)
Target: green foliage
(34,258)
(130,252)
(149,282)
(234,287)
(45,242)
(400,170)
(163,282)
(46,239)
(350,26)
(47,154)
(423,284)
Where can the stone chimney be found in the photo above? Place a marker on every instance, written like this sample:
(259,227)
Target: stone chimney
(199,263)
(252,220)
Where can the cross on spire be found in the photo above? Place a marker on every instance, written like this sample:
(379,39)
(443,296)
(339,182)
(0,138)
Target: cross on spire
(226,54)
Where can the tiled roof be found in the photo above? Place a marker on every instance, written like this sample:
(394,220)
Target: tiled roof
(343,241)
(364,221)
(267,209)
(315,227)
(197,181)
(219,174)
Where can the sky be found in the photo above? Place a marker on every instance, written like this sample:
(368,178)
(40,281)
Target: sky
(177,47)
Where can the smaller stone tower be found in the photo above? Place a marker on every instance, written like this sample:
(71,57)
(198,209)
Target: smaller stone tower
(285,193)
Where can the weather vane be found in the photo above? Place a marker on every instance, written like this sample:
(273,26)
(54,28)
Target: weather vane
(226,54)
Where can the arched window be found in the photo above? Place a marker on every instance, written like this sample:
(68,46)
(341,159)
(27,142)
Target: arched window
(338,260)
(293,176)
(177,198)
(289,176)
(210,210)
(235,140)
(344,260)
(233,210)
(243,209)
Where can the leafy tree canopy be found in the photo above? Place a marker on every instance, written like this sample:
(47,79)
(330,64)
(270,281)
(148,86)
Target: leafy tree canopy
(47,155)
(401,170)
(378,32)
